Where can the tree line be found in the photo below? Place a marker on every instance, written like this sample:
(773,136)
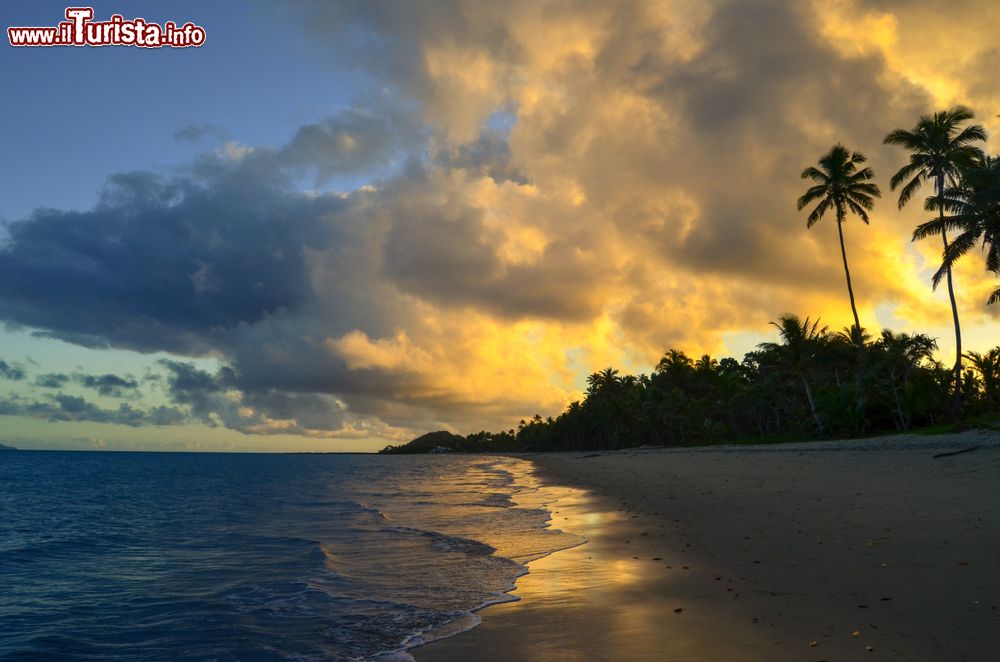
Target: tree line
(814,382)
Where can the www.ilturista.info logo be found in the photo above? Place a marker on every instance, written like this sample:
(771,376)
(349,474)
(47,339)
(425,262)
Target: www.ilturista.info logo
(79,29)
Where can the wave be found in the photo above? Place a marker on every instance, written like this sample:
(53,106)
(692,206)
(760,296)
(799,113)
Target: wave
(293,557)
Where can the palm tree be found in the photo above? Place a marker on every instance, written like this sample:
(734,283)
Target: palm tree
(988,367)
(974,206)
(939,149)
(676,363)
(841,185)
(800,343)
(902,355)
(603,381)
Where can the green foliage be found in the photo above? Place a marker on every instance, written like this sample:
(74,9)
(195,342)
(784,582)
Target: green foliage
(891,383)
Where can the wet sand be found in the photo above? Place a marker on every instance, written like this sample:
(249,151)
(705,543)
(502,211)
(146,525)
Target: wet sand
(821,551)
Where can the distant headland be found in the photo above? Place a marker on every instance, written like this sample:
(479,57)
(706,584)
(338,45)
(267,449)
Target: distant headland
(432,442)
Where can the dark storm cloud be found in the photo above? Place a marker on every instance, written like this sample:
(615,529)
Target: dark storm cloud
(52,380)
(69,408)
(214,400)
(178,262)
(195,388)
(108,385)
(13,372)
(164,264)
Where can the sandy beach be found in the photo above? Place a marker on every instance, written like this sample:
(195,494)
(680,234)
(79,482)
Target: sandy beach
(832,551)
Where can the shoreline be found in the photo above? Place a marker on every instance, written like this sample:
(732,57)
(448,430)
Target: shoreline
(811,551)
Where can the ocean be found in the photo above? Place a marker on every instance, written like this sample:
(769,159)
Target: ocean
(196,556)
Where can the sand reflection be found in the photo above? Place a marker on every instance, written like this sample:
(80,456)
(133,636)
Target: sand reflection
(608,599)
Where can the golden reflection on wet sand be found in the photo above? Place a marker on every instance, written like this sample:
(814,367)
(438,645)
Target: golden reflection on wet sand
(607,599)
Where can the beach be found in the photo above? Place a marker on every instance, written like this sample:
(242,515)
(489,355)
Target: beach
(846,550)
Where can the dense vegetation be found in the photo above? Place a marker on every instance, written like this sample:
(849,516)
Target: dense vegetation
(813,382)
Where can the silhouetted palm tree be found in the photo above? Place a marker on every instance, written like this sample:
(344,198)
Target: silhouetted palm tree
(603,381)
(939,149)
(843,186)
(974,212)
(800,343)
(675,362)
(988,367)
(902,355)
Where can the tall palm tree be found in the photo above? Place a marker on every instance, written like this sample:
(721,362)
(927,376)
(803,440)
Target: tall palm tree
(843,186)
(974,212)
(939,149)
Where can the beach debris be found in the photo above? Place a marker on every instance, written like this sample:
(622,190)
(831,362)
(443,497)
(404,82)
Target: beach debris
(964,450)
(678,610)
(869,649)
(856,633)
(813,644)
(657,558)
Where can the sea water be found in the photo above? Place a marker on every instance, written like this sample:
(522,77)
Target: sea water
(174,556)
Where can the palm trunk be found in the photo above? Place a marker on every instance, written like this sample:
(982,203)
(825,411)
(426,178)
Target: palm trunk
(956,402)
(847,271)
(903,423)
(812,404)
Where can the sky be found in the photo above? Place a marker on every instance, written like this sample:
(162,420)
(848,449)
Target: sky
(338,225)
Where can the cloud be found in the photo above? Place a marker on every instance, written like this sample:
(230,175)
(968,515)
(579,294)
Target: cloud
(214,400)
(356,140)
(199,132)
(539,189)
(164,263)
(108,385)
(13,372)
(70,408)
(52,380)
